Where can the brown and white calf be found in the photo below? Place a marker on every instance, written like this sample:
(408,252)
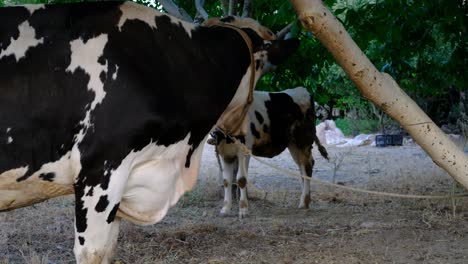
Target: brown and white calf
(277,120)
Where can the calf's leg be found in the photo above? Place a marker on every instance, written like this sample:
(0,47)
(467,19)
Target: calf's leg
(228,171)
(242,184)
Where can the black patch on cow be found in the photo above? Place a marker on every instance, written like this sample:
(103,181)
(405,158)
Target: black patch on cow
(105,180)
(90,192)
(254,131)
(227,19)
(81,221)
(259,117)
(188,157)
(278,52)
(47,176)
(102,204)
(266,130)
(257,64)
(112,213)
(308,168)
(24,177)
(282,112)
(81,240)
(103,76)
(304,133)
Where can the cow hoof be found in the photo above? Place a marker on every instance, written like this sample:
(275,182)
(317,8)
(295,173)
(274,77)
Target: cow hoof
(225,212)
(303,206)
(243,213)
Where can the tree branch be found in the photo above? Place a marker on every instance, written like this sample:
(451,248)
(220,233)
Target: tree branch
(225,6)
(233,7)
(172,9)
(201,10)
(381,88)
(282,33)
(247,10)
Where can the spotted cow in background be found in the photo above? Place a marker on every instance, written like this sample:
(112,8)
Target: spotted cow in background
(277,121)
(113,101)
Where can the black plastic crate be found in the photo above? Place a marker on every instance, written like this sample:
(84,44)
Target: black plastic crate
(388,140)
(397,140)
(380,141)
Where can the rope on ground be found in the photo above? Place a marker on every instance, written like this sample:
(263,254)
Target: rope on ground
(248,152)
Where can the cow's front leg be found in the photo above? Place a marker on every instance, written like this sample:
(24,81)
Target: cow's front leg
(228,171)
(96,224)
(242,184)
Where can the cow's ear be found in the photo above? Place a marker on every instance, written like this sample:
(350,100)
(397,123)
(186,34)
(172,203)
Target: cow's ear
(280,50)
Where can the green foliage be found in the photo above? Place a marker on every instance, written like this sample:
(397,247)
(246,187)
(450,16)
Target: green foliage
(422,44)
(351,127)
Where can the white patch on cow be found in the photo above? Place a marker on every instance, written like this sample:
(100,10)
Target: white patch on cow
(26,39)
(9,140)
(131,11)
(85,56)
(300,96)
(114,76)
(33,8)
(154,179)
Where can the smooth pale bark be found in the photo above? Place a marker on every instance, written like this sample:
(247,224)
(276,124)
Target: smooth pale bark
(381,89)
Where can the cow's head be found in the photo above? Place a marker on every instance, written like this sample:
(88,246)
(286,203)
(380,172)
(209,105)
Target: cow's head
(267,53)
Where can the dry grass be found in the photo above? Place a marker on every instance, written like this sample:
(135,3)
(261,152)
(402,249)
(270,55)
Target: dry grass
(341,227)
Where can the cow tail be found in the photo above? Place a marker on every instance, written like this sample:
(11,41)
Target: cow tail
(321,148)
(310,115)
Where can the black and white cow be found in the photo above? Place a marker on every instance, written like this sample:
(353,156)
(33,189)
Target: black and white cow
(113,101)
(277,121)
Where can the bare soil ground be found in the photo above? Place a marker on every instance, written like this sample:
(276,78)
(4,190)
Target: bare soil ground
(340,227)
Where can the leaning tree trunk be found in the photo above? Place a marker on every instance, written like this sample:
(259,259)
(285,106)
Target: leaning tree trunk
(381,89)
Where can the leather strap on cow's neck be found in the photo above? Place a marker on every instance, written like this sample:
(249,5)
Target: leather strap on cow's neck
(252,60)
(248,42)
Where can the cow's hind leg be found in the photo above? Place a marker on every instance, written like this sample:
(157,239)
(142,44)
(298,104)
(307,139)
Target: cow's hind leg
(96,224)
(304,160)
